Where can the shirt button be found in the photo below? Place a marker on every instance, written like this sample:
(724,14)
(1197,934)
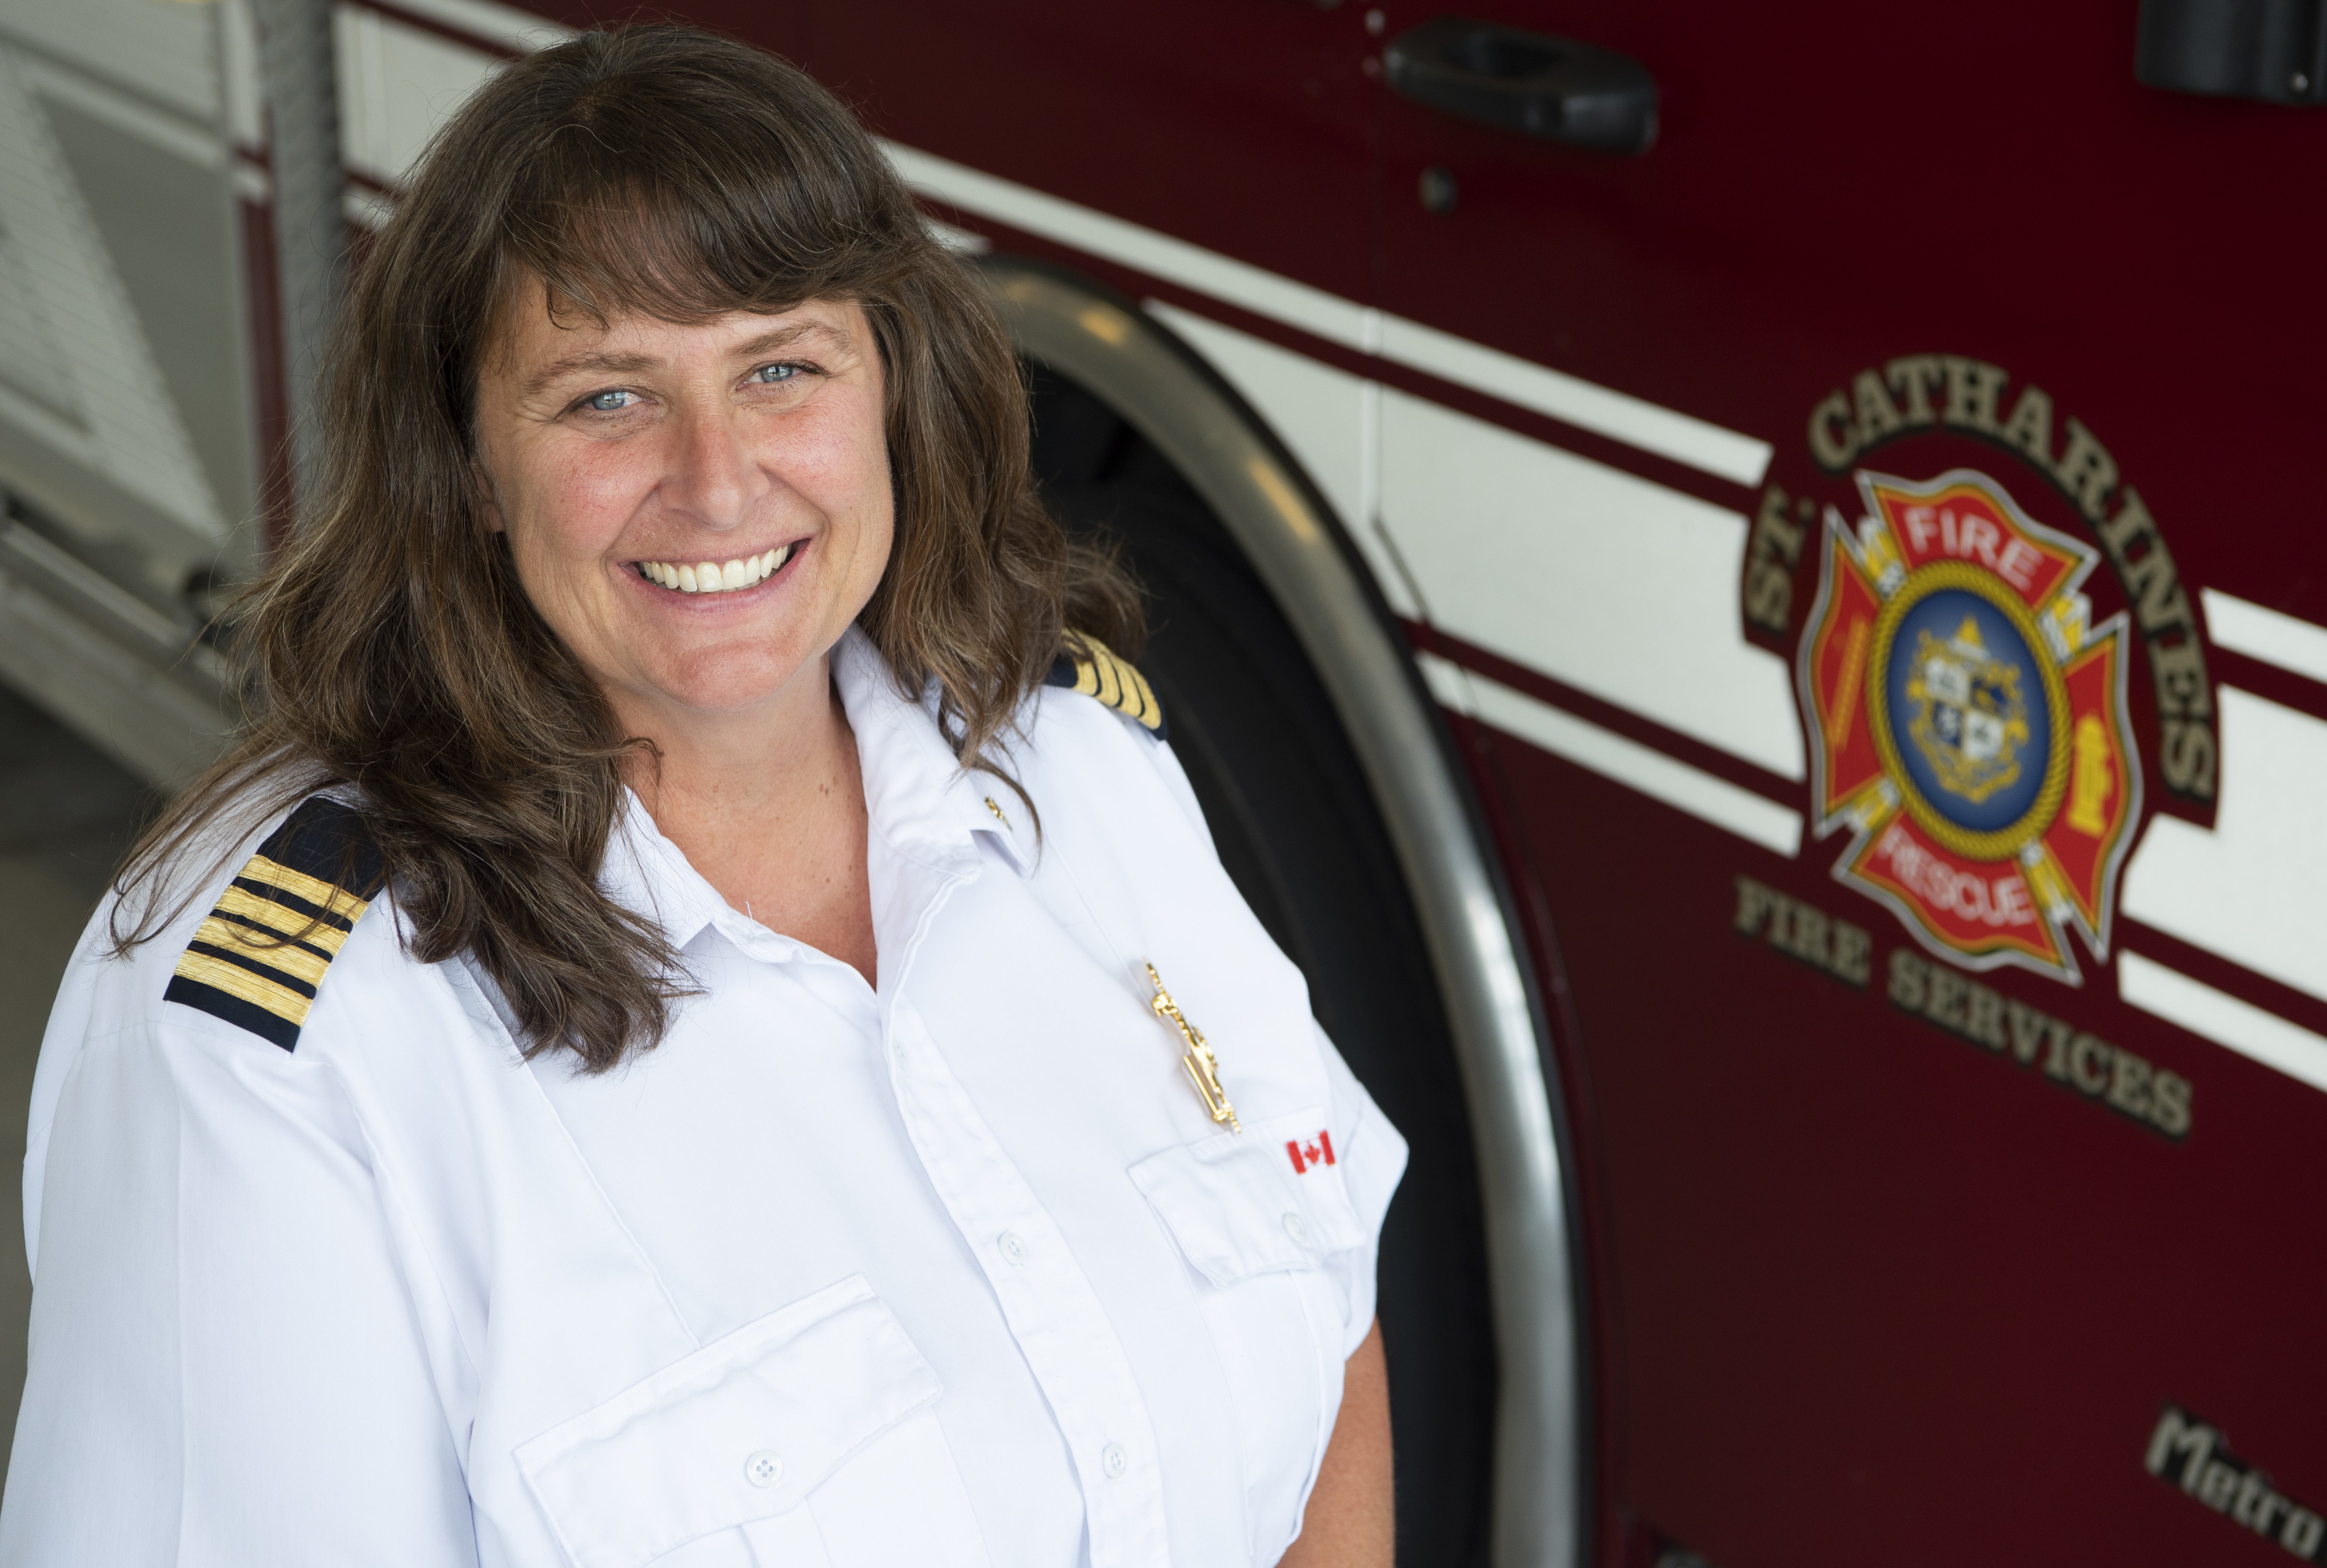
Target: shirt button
(1113,1460)
(1296,1227)
(763,1469)
(1013,1249)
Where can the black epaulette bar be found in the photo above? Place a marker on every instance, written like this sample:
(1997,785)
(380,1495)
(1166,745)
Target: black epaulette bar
(259,959)
(1087,665)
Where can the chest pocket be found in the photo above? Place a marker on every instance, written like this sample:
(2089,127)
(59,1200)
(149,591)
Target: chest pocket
(1264,1200)
(774,1447)
(1263,1218)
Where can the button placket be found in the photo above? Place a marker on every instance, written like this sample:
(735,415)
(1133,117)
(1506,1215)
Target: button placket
(1061,1325)
(1027,1292)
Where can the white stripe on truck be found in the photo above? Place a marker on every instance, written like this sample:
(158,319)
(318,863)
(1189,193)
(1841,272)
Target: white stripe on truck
(1618,416)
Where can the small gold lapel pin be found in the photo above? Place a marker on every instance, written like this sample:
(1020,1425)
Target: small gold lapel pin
(1203,1069)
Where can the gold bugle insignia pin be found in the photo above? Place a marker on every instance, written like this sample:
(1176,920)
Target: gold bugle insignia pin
(1203,1069)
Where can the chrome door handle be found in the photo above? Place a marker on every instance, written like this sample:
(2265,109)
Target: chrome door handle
(1553,88)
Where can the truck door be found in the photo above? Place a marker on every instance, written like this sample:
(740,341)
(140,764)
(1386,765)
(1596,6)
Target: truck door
(1864,528)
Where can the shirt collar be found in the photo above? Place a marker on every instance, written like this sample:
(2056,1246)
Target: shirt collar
(917,795)
(919,800)
(647,874)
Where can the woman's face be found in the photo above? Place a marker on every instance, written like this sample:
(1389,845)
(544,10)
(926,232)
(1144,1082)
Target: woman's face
(698,512)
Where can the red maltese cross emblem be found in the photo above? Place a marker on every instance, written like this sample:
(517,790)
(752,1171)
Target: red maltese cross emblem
(1968,724)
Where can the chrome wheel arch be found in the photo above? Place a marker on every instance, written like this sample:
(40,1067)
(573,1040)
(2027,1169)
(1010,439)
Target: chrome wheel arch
(1160,386)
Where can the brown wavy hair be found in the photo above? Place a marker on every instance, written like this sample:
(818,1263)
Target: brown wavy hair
(389,646)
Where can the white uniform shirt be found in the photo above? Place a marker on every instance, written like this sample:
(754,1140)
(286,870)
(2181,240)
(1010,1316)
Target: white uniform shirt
(957,1271)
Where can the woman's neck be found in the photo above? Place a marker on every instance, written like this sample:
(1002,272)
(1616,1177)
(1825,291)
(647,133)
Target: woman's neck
(769,807)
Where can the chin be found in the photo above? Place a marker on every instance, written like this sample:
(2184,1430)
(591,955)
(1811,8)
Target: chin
(727,684)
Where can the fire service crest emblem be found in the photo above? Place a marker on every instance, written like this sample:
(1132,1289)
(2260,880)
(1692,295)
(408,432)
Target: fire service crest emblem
(1968,724)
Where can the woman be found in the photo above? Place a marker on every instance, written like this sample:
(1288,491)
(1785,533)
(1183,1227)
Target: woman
(668,1041)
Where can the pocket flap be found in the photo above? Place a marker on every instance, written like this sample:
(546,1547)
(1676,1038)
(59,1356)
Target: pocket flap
(739,1430)
(1270,1198)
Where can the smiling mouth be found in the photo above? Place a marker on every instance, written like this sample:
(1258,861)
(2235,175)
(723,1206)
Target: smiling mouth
(713,576)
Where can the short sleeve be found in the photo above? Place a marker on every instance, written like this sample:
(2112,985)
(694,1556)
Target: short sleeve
(1175,780)
(224,1366)
(68,1026)
(1373,1159)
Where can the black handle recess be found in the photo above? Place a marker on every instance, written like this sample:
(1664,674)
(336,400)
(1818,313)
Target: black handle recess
(1553,88)
(2271,50)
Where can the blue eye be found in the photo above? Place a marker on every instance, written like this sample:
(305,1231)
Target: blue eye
(612,401)
(773,374)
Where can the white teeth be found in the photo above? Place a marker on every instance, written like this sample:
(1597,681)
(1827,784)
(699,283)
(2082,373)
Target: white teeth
(710,577)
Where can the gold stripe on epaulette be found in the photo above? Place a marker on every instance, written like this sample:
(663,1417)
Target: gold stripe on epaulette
(283,918)
(1151,712)
(299,884)
(236,981)
(1101,673)
(289,957)
(258,961)
(1096,677)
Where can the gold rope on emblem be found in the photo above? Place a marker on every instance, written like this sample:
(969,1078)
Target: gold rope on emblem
(1203,1069)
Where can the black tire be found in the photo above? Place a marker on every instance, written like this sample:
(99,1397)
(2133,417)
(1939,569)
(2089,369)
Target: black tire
(1298,829)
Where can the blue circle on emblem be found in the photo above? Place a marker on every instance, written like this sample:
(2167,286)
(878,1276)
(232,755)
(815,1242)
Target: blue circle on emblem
(1966,706)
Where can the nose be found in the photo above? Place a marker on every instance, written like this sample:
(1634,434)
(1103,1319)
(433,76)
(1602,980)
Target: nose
(713,478)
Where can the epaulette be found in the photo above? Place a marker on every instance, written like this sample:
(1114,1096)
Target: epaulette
(1088,666)
(258,959)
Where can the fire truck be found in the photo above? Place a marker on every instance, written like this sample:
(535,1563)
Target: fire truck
(1738,586)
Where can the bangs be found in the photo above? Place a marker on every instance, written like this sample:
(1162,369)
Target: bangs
(685,200)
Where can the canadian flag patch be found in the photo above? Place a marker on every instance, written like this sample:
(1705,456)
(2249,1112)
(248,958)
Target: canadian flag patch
(1310,1151)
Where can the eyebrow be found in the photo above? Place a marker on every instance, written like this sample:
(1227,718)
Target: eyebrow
(597,362)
